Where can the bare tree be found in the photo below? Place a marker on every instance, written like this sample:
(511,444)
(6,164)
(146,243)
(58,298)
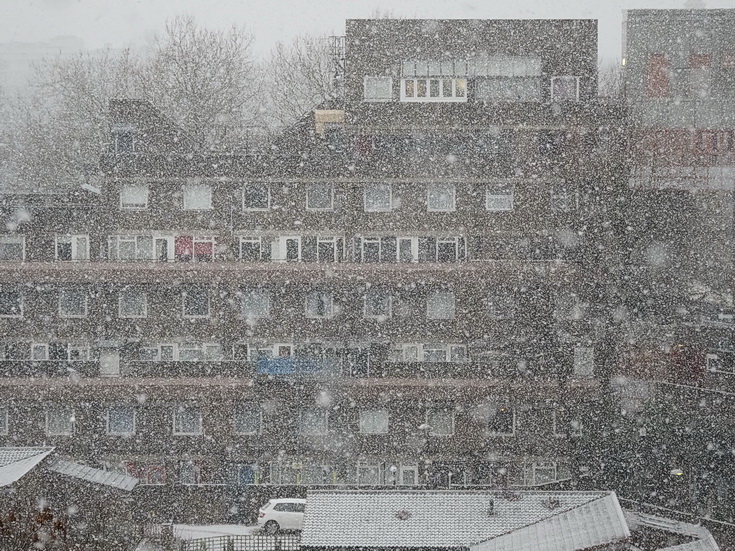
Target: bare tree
(610,79)
(204,79)
(299,76)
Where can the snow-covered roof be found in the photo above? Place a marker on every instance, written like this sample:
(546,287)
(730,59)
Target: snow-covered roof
(17,462)
(424,518)
(702,539)
(598,522)
(90,474)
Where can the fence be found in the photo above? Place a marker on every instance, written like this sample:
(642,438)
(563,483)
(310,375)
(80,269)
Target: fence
(285,542)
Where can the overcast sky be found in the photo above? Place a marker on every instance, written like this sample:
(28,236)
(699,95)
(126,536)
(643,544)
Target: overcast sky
(122,22)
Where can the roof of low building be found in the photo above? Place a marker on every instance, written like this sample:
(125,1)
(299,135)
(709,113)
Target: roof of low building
(563,521)
(15,463)
(90,474)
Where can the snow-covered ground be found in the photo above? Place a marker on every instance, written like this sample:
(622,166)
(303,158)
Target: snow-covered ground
(193,532)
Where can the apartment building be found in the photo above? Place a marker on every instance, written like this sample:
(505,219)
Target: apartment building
(679,75)
(414,287)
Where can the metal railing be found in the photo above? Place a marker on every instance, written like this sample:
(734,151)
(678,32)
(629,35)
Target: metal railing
(283,542)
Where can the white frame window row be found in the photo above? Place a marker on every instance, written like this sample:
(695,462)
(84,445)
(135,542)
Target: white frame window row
(429,353)
(190,351)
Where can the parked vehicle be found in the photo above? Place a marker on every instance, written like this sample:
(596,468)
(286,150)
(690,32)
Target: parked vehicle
(282,514)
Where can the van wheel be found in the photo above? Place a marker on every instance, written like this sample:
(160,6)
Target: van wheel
(271,527)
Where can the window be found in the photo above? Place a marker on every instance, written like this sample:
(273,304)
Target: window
(187,420)
(448,249)
(584,361)
(39,351)
(434,89)
(12,248)
(196,302)
(713,142)
(440,305)
(11,304)
(501,422)
(289,248)
(319,304)
(4,429)
(378,89)
(378,198)
(328,249)
(543,473)
(320,196)
(121,421)
(700,75)
(125,139)
(130,247)
(199,352)
(378,303)
(313,422)
(153,474)
(72,303)
(134,196)
(440,197)
(158,352)
(255,304)
(368,475)
(132,303)
(504,88)
(189,248)
(563,199)
(432,353)
(189,472)
(499,197)
(565,88)
(59,421)
(247,419)
(59,351)
(657,76)
(197,197)
(374,421)
(251,249)
(72,247)
(256,196)
(440,421)
(375,249)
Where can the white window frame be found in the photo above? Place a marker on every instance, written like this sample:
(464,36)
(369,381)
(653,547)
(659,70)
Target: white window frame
(372,187)
(378,316)
(496,201)
(331,313)
(14,240)
(251,292)
(283,248)
(431,208)
(184,294)
(414,243)
(250,239)
(199,352)
(240,407)
(456,83)
(331,196)
(371,92)
(513,427)
(62,292)
(453,240)
(435,294)
(256,209)
(125,433)
(195,409)
(334,241)
(363,422)
(324,425)
(544,466)
(56,409)
(20,304)
(368,467)
(190,189)
(131,189)
(39,351)
(114,241)
(120,313)
(556,78)
(77,253)
(5,425)
(430,427)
